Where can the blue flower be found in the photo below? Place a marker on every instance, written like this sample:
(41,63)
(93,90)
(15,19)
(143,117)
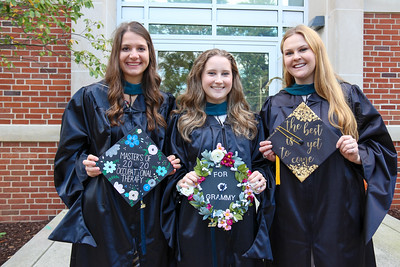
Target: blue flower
(132,140)
(161,171)
(146,187)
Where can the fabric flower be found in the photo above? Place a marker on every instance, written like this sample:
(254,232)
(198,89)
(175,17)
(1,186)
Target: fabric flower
(187,191)
(109,167)
(190,198)
(119,187)
(217,155)
(132,140)
(202,179)
(228,214)
(133,195)
(161,171)
(209,206)
(222,223)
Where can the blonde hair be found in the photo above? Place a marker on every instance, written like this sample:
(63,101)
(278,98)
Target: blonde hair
(325,82)
(191,104)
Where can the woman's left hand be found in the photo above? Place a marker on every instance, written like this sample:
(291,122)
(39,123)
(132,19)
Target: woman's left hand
(176,163)
(348,147)
(258,182)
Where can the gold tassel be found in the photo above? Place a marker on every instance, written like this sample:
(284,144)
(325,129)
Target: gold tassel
(278,171)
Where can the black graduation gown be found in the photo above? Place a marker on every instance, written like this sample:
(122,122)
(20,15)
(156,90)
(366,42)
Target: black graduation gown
(105,230)
(247,243)
(330,215)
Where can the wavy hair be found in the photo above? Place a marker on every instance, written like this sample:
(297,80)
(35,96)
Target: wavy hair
(151,81)
(325,81)
(192,102)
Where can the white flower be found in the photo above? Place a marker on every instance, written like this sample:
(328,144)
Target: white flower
(119,187)
(153,149)
(109,167)
(139,131)
(217,155)
(152,182)
(133,195)
(113,150)
(187,191)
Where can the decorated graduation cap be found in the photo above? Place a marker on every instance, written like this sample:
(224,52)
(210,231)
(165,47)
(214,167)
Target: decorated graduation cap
(303,142)
(134,165)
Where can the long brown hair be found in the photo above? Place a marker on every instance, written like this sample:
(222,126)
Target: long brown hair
(150,82)
(193,101)
(325,82)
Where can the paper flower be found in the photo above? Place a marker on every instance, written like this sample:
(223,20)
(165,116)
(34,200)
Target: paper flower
(133,195)
(152,182)
(161,171)
(109,167)
(119,187)
(113,150)
(152,149)
(132,140)
(146,187)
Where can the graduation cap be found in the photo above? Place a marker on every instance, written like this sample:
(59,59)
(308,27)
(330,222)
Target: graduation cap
(134,165)
(303,141)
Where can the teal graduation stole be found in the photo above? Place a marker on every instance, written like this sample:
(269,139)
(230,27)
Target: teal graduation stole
(301,89)
(216,109)
(132,89)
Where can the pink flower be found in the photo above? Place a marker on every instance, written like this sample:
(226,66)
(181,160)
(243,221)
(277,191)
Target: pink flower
(229,222)
(221,224)
(190,198)
(209,206)
(244,181)
(202,178)
(228,227)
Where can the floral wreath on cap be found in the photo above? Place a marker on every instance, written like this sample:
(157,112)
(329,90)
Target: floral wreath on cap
(216,158)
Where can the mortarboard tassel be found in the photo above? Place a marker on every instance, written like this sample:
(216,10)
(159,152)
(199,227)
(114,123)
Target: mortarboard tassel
(278,171)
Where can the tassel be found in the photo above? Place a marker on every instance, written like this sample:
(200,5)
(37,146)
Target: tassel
(277,171)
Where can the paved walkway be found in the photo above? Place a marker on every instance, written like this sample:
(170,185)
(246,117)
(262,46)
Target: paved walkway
(41,252)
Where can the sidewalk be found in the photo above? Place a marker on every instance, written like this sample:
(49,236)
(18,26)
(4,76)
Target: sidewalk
(41,252)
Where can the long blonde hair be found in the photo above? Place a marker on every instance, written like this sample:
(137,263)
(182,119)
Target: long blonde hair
(150,82)
(325,82)
(192,102)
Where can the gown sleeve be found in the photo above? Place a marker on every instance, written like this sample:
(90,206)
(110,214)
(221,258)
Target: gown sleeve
(261,248)
(378,157)
(171,198)
(69,172)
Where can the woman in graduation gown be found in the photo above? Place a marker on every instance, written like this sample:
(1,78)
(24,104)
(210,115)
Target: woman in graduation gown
(213,110)
(329,218)
(104,229)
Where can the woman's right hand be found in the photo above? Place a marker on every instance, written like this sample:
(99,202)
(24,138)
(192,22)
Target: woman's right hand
(90,166)
(188,180)
(266,150)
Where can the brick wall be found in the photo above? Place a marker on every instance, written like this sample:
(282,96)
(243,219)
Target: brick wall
(33,92)
(26,181)
(382,70)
